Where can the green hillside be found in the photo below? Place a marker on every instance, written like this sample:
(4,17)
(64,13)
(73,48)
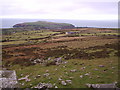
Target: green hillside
(45,25)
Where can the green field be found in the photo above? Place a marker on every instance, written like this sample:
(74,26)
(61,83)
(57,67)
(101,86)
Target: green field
(91,54)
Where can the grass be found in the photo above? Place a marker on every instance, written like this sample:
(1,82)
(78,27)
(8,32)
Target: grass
(77,82)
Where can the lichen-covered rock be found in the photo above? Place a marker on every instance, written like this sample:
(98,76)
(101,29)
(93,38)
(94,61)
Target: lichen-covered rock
(8,79)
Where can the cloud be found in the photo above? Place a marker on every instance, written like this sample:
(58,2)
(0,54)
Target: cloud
(59,9)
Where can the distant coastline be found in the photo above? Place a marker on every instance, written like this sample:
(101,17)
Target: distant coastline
(8,23)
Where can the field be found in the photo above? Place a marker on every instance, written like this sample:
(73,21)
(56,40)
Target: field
(73,56)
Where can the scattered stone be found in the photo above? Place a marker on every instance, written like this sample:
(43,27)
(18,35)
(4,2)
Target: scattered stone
(30,84)
(59,79)
(44,86)
(74,70)
(47,71)
(98,76)
(49,58)
(101,65)
(65,62)
(69,81)
(71,77)
(46,74)
(22,84)
(49,78)
(63,83)
(38,76)
(81,76)
(101,85)
(28,80)
(83,68)
(8,79)
(24,78)
(21,74)
(87,74)
(64,66)
(96,69)
(56,87)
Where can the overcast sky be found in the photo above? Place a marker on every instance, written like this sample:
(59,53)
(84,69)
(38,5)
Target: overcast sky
(60,9)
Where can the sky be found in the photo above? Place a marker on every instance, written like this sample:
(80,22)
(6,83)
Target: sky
(60,9)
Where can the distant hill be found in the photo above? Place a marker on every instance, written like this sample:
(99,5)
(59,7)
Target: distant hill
(45,25)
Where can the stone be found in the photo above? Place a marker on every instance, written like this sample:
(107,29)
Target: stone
(56,86)
(83,68)
(59,79)
(101,65)
(71,77)
(24,78)
(87,74)
(63,83)
(46,74)
(96,69)
(101,85)
(47,71)
(69,81)
(8,79)
(81,76)
(74,70)
(44,86)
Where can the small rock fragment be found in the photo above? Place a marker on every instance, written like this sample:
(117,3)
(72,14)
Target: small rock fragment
(63,83)
(81,76)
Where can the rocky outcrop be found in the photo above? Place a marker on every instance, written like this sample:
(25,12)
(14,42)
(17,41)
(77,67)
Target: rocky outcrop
(8,79)
(44,25)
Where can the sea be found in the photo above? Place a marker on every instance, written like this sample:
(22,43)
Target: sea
(8,23)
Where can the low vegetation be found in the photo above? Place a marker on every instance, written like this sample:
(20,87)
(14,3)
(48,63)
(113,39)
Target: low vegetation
(67,58)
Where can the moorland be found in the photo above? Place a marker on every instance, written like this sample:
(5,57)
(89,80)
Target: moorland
(66,57)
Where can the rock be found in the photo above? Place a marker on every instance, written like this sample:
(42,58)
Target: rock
(71,77)
(22,84)
(69,81)
(101,65)
(87,74)
(101,86)
(74,70)
(81,76)
(96,69)
(49,78)
(46,74)
(8,79)
(83,68)
(38,76)
(49,58)
(98,76)
(21,74)
(24,78)
(64,66)
(47,71)
(59,79)
(30,84)
(63,83)
(56,87)
(44,86)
